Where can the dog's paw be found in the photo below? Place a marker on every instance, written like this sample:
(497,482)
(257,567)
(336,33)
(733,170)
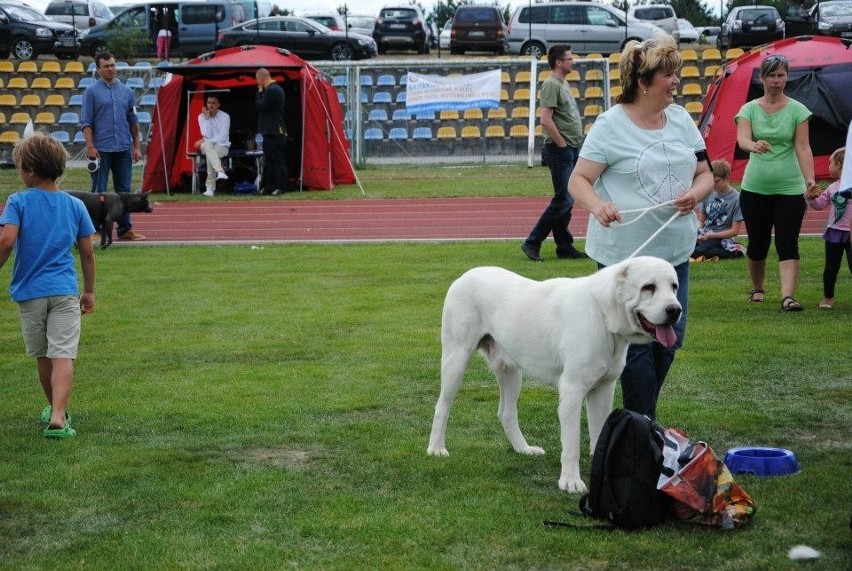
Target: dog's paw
(572,485)
(532,451)
(440,452)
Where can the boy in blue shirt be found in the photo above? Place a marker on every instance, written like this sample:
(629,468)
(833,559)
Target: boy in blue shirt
(41,224)
(719,219)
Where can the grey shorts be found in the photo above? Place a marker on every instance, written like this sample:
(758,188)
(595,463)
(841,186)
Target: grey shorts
(51,326)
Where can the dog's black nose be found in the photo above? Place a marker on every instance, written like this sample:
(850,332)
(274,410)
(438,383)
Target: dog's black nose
(673,313)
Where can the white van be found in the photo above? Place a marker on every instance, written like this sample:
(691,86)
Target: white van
(586,26)
(661,15)
(81,14)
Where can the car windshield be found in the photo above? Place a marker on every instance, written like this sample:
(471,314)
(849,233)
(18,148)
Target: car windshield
(753,15)
(832,9)
(399,14)
(25,13)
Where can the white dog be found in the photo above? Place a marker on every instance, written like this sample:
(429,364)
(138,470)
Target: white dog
(571,333)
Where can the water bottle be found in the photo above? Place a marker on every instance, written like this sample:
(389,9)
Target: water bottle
(258,142)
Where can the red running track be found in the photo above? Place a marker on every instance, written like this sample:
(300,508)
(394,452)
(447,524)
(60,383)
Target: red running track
(280,220)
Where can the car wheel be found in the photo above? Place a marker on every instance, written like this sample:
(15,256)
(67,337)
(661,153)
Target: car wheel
(24,49)
(534,49)
(98,48)
(341,52)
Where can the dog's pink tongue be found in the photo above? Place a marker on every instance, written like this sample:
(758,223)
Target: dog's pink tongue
(665,335)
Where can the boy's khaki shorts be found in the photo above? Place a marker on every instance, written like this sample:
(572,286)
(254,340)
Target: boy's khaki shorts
(51,326)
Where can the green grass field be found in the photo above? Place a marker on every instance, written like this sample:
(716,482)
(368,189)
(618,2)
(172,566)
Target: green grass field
(270,407)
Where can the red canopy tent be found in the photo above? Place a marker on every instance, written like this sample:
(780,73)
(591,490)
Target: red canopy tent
(820,78)
(318,152)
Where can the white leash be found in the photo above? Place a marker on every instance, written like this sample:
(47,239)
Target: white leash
(645,211)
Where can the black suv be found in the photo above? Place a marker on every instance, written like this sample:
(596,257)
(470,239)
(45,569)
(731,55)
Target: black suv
(749,26)
(26,33)
(478,28)
(402,27)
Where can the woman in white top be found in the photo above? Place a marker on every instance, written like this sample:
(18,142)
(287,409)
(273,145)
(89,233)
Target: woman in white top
(644,152)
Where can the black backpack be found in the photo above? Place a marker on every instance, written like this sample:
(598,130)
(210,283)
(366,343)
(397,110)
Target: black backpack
(627,463)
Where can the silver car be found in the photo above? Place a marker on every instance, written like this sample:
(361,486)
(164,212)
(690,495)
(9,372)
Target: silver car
(587,27)
(81,14)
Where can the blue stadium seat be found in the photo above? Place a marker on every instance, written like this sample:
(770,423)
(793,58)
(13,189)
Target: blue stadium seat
(373,135)
(69,118)
(155,82)
(61,136)
(340,81)
(401,97)
(92,67)
(148,100)
(401,115)
(144,117)
(85,82)
(121,65)
(364,97)
(135,83)
(79,137)
(382,97)
(425,116)
(398,133)
(403,79)
(378,115)
(142,65)
(341,97)
(422,133)
(386,80)
(367,80)
(75,100)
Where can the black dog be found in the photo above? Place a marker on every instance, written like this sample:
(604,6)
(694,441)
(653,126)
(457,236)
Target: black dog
(105,209)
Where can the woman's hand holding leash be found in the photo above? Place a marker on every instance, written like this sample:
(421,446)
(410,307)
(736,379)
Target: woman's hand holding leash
(606,213)
(686,202)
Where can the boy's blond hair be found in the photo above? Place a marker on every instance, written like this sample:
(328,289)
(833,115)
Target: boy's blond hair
(721,168)
(838,156)
(41,154)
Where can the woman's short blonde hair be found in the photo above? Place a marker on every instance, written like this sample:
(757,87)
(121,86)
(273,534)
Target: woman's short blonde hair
(642,60)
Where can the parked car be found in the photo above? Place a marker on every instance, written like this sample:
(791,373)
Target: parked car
(81,14)
(446,32)
(26,33)
(331,20)
(707,32)
(688,32)
(402,27)
(661,15)
(478,28)
(363,25)
(586,26)
(303,37)
(832,18)
(193,33)
(749,26)
(433,34)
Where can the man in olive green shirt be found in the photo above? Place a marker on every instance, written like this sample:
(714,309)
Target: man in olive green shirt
(563,134)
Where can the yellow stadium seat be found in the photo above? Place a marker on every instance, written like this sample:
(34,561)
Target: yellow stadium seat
(40,83)
(615,76)
(2,85)
(64,83)
(27,67)
(472,114)
(504,95)
(10,137)
(711,54)
(593,93)
(521,94)
(8,100)
(614,58)
(690,71)
(17,83)
(19,118)
(519,131)
(592,110)
(539,130)
(30,100)
(499,113)
(573,75)
(504,77)
(544,74)
(45,118)
(446,133)
(594,75)
(692,89)
(615,91)
(711,70)
(689,55)
(54,99)
(575,93)
(51,67)
(74,67)
(495,132)
(7,67)
(471,132)
(449,115)
(2,117)
(734,53)
(520,112)
(522,77)
(594,55)
(694,107)
(588,128)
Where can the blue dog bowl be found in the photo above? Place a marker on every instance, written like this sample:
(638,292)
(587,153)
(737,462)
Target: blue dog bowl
(761,461)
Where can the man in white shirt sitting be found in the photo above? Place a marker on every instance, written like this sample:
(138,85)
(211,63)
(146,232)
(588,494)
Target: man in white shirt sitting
(214,143)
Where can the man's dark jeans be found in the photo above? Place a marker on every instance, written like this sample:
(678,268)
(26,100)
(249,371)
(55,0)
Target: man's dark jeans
(557,215)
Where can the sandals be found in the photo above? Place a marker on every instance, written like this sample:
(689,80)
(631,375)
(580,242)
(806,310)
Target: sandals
(752,296)
(790,304)
(64,432)
(47,412)
(826,304)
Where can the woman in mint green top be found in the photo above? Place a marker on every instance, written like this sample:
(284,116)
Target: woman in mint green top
(774,130)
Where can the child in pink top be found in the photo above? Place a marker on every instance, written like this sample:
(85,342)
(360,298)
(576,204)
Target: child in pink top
(836,233)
